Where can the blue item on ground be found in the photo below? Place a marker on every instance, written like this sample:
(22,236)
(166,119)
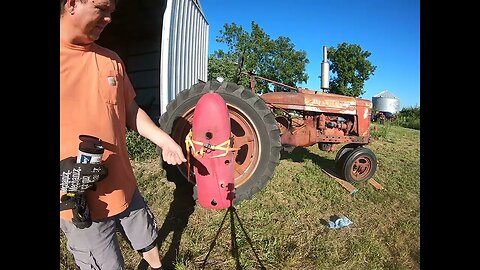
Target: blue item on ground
(339,223)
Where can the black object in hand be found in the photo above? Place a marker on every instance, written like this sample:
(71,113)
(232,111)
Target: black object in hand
(78,203)
(78,177)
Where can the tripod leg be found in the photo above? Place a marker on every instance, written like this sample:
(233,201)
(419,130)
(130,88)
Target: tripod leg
(234,239)
(212,244)
(248,238)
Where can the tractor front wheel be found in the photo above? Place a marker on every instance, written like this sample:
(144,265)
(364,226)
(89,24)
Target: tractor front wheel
(341,153)
(357,165)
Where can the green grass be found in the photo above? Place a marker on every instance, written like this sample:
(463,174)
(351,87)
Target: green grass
(140,148)
(286,220)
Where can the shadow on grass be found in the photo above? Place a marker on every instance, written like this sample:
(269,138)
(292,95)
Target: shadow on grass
(233,241)
(176,220)
(183,205)
(300,154)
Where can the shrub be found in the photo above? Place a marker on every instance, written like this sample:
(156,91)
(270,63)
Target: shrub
(379,131)
(409,117)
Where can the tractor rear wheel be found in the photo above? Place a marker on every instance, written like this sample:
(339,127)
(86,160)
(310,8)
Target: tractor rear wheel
(254,131)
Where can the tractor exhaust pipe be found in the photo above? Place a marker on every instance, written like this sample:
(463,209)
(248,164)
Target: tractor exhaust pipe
(325,67)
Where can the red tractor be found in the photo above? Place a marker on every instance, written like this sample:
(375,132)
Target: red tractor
(264,124)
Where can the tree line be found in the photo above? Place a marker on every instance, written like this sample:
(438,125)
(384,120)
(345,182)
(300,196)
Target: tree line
(256,53)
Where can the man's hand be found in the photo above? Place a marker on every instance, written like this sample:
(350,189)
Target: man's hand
(172,153)
(77,177)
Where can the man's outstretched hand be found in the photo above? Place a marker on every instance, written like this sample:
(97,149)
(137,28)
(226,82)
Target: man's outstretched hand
(172,154)
(78,177)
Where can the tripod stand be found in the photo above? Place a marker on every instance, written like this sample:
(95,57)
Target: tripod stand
(233,213)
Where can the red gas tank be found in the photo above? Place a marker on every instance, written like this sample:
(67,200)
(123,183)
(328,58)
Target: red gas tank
(214,161)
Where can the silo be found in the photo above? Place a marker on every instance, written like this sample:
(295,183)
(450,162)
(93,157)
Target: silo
(386,102)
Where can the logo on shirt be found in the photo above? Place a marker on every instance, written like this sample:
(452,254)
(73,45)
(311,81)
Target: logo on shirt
(111,81)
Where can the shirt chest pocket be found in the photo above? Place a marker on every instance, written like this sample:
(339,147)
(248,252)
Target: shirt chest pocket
(110,86)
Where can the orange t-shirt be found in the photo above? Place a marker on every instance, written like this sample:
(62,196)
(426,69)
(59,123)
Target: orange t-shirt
(94,93)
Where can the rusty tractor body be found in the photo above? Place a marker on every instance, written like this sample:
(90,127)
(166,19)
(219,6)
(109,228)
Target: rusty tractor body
(324,118)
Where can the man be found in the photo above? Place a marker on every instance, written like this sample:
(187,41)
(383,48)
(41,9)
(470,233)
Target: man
(97,100)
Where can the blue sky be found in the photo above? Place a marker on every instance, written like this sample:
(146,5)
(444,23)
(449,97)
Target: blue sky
(389,29)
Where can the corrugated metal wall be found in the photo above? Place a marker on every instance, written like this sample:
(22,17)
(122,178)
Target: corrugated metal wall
(164,44)
(135,34)
(143,68)
(184,54)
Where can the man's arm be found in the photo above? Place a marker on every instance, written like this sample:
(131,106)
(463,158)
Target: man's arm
(139,121)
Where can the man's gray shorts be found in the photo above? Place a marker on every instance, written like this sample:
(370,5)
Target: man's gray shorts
(96,247)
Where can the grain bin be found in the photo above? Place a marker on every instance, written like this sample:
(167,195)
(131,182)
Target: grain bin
(386,102)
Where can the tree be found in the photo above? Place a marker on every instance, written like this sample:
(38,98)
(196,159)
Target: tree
(350,69)
(223,65)
(255,52)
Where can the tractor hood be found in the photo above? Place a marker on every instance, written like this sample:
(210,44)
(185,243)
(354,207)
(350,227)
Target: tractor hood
(309,100)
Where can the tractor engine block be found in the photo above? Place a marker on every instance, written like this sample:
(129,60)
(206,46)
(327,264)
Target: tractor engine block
(309,129)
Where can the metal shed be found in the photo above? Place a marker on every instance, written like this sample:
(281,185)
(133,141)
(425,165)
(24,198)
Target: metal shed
(164,44)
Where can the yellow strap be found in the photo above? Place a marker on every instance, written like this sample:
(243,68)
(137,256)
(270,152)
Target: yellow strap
(206,148)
